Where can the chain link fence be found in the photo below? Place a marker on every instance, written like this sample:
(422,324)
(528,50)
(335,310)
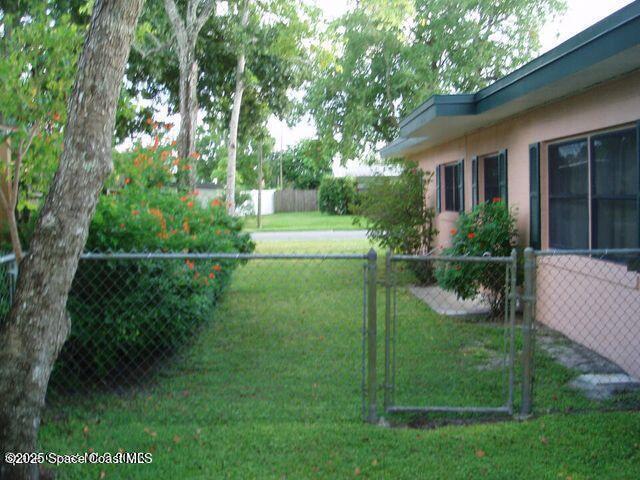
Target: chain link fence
(166,324)
(557,332)
(587,330)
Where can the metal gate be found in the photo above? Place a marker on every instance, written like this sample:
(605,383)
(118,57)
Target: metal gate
(449,334)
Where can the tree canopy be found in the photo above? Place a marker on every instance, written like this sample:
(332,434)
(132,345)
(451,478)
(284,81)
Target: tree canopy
(383,58)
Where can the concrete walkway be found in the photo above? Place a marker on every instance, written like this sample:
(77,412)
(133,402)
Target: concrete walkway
(446,302)
(312,235)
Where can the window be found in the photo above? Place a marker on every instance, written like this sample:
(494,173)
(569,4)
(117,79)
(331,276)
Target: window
(452,200)
(614,171)
(602,172)
(569,195)
(491,178)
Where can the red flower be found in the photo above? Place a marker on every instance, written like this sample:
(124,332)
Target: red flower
(56,117)
(127,181)
(215,203)
(453,231)
(212,275)
(471,236)
(496,200)
(190,204)
(135,212)
(183,198)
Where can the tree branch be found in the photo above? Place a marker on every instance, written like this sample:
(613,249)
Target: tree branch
(179,29)
(203,16)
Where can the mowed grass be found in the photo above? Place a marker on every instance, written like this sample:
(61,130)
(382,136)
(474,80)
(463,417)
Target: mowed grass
(271,389)
(301,221)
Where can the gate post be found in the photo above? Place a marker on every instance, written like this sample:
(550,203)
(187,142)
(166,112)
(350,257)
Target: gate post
(387,331)
(372,384)
(528,300)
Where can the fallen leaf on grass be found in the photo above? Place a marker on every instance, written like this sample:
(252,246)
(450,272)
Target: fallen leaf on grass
(480,453)
(357,471)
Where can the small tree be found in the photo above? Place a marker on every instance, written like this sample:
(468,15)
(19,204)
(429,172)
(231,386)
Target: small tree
(306,163)
(489,229)
(394,211)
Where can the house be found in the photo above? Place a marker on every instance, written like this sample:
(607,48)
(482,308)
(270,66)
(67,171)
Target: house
(559,140)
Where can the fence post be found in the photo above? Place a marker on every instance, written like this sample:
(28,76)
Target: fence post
(372,385)
(387,331)
(528,304)
(513,271)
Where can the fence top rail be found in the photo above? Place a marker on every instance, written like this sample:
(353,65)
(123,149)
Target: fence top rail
(448,258)
(602,252)
(220,256)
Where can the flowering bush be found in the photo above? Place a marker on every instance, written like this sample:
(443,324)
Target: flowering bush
(489,229)
(132,312)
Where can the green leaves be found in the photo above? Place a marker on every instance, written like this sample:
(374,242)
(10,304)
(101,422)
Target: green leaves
(383,58)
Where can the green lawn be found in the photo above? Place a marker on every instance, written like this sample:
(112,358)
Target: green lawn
(299,221)
(271,389)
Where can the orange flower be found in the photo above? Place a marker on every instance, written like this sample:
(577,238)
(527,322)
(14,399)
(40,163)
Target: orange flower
(218,232)
(122,225)
(471,236)
(174,143)
(215,203)
(176,162)
(156,212)
(212,275)
(195,155)
(149,121)
(190,264)
(56,117)
(164,154)
(496,200)
(127,181)
(453,231)
(185,227)
(184,198)
(190,204)
(217,268)
(187,167)
(135,212)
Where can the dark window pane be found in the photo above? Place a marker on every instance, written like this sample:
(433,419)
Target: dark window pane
(451,193)
(491,179)
(568,223)
(617,224)
(615,163)
(568,173)
(568,195)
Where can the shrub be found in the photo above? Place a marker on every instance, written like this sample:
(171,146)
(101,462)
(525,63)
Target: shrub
(127,314)
(337,196)
(396,216)
(489,229)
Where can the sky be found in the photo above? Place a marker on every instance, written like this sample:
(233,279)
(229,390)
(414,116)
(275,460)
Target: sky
(579,15)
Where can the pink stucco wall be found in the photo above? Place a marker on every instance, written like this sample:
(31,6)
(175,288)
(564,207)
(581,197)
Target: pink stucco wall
(594,302)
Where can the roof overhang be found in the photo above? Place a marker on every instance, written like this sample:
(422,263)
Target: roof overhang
(607,50)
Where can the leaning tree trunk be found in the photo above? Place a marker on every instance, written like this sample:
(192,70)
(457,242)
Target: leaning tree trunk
(232,147)
(37,325)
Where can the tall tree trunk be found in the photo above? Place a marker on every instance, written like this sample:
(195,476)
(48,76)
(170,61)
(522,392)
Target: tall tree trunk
(188,115)
(186,33)
(232,146)
(37,325)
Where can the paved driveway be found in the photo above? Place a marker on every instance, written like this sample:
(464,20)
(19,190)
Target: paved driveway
(311,235)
